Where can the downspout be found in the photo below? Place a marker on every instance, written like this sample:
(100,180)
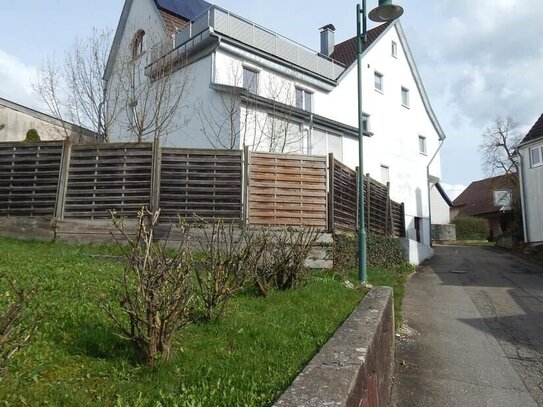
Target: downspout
(523,198)
(441,141)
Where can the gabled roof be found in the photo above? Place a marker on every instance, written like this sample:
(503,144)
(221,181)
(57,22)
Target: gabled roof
(478,198)
(174,14)
(345,52)
(536,132)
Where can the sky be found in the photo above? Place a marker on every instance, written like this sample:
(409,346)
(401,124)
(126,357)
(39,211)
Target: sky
(477,59)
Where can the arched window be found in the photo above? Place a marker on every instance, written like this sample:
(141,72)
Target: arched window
(138,44)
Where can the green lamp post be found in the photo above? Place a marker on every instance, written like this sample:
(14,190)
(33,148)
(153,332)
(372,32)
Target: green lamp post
(386,12)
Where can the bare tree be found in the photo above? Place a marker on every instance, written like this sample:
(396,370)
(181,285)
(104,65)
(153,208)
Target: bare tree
(152,95)
(500,142)
(73,90)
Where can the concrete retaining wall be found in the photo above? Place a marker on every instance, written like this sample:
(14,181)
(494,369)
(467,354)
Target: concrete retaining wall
(443,233)
(355,367)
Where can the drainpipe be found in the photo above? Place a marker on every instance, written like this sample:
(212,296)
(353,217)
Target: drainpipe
(523,197)
(429,188)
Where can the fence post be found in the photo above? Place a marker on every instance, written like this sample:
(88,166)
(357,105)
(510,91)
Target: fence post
(388,212)
(368,202)
(331,191)
(245,186)
(156,166)
(62,188)
(403,231)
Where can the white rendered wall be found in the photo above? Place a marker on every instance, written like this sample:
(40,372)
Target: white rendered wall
(440,209)
(532,179)
(18,123)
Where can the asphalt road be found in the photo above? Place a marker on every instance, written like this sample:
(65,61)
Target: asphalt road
(474,332)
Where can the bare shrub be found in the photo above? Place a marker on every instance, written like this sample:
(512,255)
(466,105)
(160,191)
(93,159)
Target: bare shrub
(17,325)
(283,264)
(154,292)
(229,256)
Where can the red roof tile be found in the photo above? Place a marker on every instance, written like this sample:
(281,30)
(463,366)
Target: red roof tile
(345,52)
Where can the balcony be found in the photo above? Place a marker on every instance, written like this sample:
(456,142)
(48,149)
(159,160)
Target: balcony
(221,21)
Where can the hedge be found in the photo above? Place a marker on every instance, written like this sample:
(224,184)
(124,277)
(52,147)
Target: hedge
(471,228)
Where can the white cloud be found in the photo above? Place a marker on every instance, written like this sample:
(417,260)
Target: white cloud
(16,80)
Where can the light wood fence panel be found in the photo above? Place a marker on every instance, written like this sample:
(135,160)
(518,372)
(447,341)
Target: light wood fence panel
(287,190)
(104,177)
(29,175)
(203,183)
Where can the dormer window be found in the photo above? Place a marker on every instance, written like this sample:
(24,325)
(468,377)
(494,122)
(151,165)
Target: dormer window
(138,44)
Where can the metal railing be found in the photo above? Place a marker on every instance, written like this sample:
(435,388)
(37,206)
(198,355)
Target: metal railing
(221,21)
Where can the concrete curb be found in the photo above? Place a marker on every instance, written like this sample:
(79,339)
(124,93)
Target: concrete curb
(355,367)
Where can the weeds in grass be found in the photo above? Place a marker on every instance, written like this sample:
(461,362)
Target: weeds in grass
(17,325)
(154,291)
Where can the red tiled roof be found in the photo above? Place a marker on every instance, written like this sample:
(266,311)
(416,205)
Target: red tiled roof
(345,52)
(478,198)
(536,131)
(172,22)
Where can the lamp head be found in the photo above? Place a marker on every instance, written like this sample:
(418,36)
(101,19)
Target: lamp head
(386,12)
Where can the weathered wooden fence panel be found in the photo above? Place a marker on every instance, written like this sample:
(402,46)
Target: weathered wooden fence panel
(382,215)
(287,190)
(104,177)
(29,175)
(203,183)
(343,197)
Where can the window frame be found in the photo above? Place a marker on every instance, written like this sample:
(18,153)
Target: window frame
(251,87)
(539,149)
(380,76)
(423,147)
(305,102)
(138,44)
(405,92)
(394,49)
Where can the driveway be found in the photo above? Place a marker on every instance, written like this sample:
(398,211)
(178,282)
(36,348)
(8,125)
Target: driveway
(474,332)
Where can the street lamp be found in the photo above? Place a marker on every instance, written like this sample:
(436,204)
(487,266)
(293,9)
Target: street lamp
(386,12)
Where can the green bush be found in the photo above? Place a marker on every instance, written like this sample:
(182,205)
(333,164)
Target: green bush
(381,251)
(32,136)
(471,228)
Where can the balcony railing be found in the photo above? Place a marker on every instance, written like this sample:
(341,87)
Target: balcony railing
(223,22)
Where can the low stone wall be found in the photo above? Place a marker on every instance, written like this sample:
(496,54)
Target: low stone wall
(355,367)
(443,233)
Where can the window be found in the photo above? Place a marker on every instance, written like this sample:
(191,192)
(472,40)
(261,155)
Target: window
(536,156)
(304,99)
(366,129)
(394,49)
(378,81)
(385,174)
(138,44)
(422,145)
(503,199)
(405,97)
(250,80)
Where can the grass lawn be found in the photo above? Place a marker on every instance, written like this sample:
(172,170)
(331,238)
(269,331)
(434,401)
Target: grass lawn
(248,358)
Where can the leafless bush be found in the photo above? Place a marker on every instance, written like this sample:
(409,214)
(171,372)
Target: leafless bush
(230,254)
(286,255)
(154,291)
(16,325)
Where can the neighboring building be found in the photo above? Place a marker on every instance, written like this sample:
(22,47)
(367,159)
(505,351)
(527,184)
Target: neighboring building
(440,209)
(248,86)
(530,152)
(489,199)
(17,120)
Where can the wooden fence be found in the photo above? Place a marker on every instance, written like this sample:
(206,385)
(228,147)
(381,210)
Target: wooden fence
(85,182)
(382,215)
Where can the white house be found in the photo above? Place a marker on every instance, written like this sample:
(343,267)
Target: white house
(530,153)
(244,85)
